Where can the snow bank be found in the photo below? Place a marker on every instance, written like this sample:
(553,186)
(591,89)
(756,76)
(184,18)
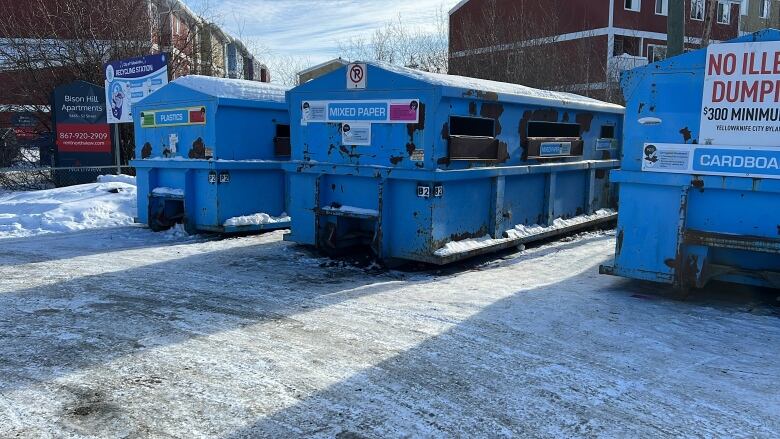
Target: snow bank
(233,88)
(518,232)
(256,220)
(169,191)
(87,206)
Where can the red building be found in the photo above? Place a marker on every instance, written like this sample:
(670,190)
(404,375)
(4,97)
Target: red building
(576,45)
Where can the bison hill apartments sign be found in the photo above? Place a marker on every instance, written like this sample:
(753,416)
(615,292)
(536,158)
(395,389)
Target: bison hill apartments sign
(80,119)
(741,100)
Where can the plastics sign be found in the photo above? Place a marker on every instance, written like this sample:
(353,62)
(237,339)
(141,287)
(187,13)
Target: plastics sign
(741,99)
(128,81)
(174,117)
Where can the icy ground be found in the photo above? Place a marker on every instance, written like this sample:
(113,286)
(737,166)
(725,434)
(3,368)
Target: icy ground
(125,333)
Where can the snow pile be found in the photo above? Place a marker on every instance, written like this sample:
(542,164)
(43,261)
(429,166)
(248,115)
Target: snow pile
(103,204)
(234,88)
(523,231)
(256,220)
(532,95)
(351,210)
(464,245)
(168,191)
(520,231)
(121,178)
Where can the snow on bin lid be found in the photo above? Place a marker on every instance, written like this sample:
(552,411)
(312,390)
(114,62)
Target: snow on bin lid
(233,88)
(533,96)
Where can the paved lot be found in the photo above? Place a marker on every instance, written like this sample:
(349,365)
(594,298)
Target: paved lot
(124,333)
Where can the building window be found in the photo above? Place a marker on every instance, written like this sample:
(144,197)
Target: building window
(633,5)
(724,13)
(662,7)
(764,7)
(656,52)
(744,7)
(697,10)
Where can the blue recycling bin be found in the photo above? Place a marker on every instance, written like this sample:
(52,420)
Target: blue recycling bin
(699,185)
(209,155)
(436,168)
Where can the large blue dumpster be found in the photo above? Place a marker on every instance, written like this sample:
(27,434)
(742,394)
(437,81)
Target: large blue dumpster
(436,168)
(699,188)
(209,154)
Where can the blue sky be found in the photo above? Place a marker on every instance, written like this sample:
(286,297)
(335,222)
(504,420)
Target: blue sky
(313,28)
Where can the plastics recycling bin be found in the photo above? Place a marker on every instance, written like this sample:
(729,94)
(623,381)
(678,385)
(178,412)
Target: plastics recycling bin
(209,155)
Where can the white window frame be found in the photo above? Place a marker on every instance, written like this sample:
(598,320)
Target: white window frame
(652,48)
(767,4)
(703,9)
(664,7)
(727,12)
(744,7)
(636,5)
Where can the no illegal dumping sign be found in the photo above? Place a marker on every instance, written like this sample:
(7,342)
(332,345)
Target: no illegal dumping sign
(356,76)
(741,99)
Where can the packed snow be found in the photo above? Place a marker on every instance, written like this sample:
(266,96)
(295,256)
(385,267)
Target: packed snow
(122,333)
(234,88)
(168,191)
(110,202)
(256,219)
(519,232)
(528,95)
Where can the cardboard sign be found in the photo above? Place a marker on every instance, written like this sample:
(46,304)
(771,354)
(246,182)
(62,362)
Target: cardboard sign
(741,99)
(736,161)
(379,111)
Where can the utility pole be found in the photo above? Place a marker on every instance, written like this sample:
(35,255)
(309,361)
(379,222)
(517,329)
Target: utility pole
(675,28)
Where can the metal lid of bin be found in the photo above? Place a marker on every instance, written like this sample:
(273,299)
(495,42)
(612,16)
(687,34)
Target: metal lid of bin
(225,88)
(507,92)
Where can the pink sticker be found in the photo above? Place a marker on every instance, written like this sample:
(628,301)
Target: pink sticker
(404,112)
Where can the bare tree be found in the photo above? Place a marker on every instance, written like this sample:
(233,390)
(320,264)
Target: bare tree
(45,43)
(398,43)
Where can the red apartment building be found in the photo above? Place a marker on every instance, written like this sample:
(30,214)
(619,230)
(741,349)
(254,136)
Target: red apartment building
(575,45)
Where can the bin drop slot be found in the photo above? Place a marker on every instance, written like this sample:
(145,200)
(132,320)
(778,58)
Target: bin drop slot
(472,138)
(282,141)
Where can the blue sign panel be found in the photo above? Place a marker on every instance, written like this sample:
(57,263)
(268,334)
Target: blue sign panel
(358,111)
(130,80)
(745,161)
(737,161)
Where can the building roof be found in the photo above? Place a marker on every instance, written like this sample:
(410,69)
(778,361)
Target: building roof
(515,92)
(321,65)
(233,88)
(458,6)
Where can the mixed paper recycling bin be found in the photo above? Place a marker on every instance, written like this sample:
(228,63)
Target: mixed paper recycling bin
(700,178)
(209,155)
(436,168)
